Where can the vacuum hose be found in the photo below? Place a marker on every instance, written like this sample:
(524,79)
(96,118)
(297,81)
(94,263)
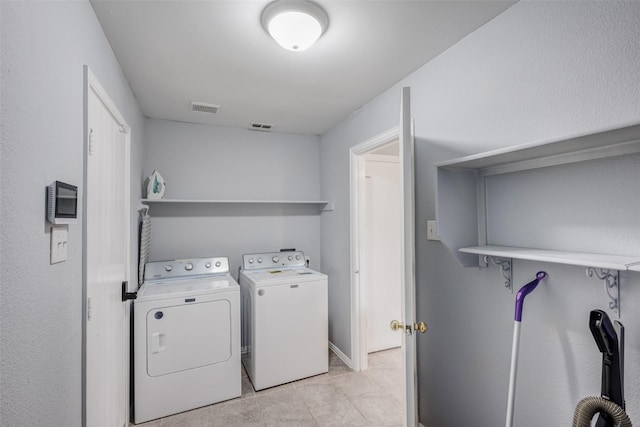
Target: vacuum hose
(589,406)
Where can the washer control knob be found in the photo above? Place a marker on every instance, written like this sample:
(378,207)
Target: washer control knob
(290,257)
(218,263)
(275,259)
(188,266)
(168,267)
(250,260)
(207,265)
(259,260)
(298,257)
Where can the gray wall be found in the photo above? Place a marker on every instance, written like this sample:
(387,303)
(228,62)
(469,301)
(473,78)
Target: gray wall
(44,47)
(540,70)
(204,162)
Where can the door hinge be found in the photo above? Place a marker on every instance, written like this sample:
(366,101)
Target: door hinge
(91,150)
(88,309)
(127,295)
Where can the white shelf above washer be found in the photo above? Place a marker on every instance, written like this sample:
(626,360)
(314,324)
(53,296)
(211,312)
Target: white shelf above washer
(320,205)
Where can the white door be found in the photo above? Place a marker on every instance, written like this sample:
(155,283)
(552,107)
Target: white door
(106,243)
(408,224)
(406,325)
(381,268)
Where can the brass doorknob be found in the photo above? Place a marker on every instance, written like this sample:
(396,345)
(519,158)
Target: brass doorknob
(396,326)
(421,327)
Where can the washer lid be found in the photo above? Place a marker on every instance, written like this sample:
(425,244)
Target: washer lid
(178,288)
(277,276)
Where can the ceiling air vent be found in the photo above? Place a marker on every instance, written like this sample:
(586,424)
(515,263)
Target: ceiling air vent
(260,126)
(203,107)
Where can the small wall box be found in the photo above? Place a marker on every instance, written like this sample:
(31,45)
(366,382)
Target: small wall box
(62,203)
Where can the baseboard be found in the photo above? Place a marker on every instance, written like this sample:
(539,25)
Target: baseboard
(341,355)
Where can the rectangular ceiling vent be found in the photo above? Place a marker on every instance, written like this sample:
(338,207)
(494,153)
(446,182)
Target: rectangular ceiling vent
(203,107)
(260,126)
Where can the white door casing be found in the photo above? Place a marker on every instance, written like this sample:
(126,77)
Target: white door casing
(357,154)
(105,260)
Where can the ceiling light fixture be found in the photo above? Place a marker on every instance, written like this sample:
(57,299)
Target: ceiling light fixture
(294,24)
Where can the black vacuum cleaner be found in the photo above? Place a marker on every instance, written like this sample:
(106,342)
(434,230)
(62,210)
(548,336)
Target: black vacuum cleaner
(610,406)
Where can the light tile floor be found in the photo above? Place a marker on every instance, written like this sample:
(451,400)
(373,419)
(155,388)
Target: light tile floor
(339,398)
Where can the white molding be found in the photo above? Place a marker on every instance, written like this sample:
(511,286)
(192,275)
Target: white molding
(358,309)
(341,355)
(95,85)
(382,158)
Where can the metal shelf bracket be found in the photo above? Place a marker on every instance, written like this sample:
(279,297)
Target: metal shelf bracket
(611,280)
(505,269)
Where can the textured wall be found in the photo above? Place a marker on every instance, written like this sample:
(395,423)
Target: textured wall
(213,162)
(539,70)
(44,47)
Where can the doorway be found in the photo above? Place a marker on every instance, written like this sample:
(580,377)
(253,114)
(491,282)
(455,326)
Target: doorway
(375,160)
(381,237)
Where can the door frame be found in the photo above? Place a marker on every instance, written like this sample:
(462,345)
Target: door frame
(91,84)
(358,301)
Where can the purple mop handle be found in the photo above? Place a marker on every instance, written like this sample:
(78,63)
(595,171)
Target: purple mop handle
(526,290)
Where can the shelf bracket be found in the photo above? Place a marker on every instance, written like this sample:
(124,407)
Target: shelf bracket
(611,282)
(505,269)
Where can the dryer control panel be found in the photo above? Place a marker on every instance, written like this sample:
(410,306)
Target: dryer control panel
(273,260)
(183,268)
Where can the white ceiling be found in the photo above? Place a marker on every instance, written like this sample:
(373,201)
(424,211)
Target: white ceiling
(215,51)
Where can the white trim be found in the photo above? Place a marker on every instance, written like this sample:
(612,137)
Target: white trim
(341,355)
(91,83)
(381,158)
(358,312)
(95,85)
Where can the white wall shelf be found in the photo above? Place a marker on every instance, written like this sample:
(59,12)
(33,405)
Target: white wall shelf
(461,209)
(284,206)
(604,261)
(462,203)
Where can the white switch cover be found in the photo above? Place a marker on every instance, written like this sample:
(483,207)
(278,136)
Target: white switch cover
(431,230)
(58,244)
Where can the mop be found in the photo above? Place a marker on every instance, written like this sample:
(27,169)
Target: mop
(523,292)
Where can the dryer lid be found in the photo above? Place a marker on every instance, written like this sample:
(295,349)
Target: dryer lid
(177,288)
(286,275)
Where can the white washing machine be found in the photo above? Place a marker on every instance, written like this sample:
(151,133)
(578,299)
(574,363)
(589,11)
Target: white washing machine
(186,337)
(284,318)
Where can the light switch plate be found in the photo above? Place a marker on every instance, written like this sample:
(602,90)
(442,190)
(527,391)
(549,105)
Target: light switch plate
(431,230)
(58,244)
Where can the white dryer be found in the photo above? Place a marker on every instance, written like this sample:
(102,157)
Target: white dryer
(186,339)
(284,318)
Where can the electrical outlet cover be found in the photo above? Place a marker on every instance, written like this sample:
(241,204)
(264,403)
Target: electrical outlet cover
(431,230)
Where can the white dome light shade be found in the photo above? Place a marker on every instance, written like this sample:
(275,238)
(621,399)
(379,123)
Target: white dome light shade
(294,25)
(295,30)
